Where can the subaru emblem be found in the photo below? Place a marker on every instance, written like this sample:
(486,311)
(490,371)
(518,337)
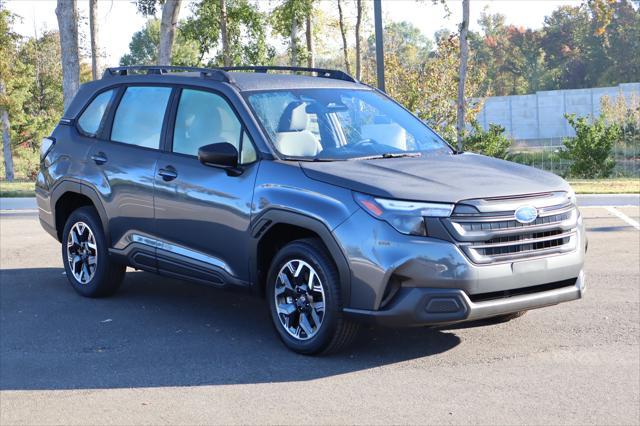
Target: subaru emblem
(526,214)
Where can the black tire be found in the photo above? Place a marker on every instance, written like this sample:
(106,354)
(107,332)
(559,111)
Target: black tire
(107,274)
(335,331)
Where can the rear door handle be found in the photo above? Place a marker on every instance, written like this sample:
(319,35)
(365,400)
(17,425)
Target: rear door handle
(168,173)
(99,158)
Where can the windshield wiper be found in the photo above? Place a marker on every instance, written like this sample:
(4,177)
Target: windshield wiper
(388,155)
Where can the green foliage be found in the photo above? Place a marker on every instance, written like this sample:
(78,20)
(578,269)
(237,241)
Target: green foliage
(492,142)
(593,44)
(430,90)
(284,15)
(246,31)
(592,148)
(625,114)
(143,48)
(26,163)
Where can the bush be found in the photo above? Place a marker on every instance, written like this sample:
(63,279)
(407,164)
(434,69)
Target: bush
(591,150)
(492,142)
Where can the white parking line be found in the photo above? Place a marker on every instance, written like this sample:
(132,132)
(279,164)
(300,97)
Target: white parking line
(624,217)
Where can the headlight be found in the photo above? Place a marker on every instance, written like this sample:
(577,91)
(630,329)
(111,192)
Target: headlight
(405,216)
(572,197)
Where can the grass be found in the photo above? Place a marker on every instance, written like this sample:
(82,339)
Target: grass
(606,186)
(17,189)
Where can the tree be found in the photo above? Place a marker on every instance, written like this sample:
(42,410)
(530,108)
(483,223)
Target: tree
(8,40)
(244,25)
(309,36)
(67,14)
(359,12)
(430,89)
(343,33)
(464,53)
(286,20)
(95,43)
(6,138)
(404,40)
(143,48)
(226,60)
(168,23)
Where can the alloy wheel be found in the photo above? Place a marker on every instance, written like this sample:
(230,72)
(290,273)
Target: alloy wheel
(299,299)
(82,252)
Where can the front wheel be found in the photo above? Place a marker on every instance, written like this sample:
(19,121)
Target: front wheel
(303,290)
(89,269)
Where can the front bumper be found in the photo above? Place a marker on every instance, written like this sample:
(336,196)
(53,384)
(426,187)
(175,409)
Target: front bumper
(432,306)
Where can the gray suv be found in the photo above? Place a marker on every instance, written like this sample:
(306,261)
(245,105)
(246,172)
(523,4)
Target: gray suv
(317,192)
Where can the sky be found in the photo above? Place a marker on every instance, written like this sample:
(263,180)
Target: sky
(119,18)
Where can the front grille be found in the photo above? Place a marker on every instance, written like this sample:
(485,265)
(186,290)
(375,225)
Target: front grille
(495,236)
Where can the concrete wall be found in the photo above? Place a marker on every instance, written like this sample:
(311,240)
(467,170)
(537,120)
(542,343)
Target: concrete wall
(536,119)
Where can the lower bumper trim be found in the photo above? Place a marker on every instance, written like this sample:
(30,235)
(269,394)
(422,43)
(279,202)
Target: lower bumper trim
(429,306)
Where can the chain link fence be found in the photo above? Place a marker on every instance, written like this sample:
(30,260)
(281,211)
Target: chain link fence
(547,155)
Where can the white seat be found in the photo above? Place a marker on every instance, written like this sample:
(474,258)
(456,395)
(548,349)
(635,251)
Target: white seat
(293,138)
(297,144)
(387,134)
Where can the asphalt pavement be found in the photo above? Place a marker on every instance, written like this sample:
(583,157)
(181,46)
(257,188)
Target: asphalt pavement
(164,352)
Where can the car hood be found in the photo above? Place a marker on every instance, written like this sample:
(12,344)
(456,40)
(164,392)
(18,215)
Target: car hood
(438,177)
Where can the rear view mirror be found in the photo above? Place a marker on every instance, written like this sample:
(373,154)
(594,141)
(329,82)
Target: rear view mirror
(221,154)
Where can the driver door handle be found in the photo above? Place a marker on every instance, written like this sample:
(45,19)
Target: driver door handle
(168,173)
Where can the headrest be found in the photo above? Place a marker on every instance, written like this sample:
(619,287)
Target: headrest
(294,118)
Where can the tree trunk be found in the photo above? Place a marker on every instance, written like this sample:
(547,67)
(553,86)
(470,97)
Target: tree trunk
(358,46)
(67,14)
(343,31)
(464,53)
(310,53)
(294,42)
(168,23)
(6,140)
(95,40)
(226,59)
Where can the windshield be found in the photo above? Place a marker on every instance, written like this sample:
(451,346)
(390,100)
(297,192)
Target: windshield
(339,124)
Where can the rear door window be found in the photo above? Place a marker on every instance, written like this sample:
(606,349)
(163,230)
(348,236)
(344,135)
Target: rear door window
(92,119)
(138,119)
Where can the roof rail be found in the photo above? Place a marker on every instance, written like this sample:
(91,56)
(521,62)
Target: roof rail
(213,73)
(321,72)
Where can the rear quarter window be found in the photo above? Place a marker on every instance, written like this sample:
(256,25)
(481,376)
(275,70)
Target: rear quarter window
(92,119)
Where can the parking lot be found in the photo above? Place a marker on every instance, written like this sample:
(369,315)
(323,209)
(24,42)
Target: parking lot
(164,351)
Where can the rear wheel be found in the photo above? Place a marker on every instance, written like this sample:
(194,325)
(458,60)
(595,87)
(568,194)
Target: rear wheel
(305,303)
(89,269)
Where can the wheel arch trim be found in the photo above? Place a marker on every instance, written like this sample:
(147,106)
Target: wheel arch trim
(67,186)
(269,218)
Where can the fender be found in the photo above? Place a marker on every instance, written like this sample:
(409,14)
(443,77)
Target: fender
(74,186)
(271,217)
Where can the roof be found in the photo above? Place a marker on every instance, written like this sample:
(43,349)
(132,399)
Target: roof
(245,78)
(248,81)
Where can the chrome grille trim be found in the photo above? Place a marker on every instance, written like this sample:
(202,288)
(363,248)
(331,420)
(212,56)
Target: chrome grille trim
(524,241)
(461,232)
(495,236)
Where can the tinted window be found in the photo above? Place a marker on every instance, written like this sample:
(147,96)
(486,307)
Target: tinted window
(204,118)
(138,119)
(91,119)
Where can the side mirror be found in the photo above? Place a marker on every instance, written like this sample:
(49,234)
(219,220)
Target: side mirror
(221,154)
